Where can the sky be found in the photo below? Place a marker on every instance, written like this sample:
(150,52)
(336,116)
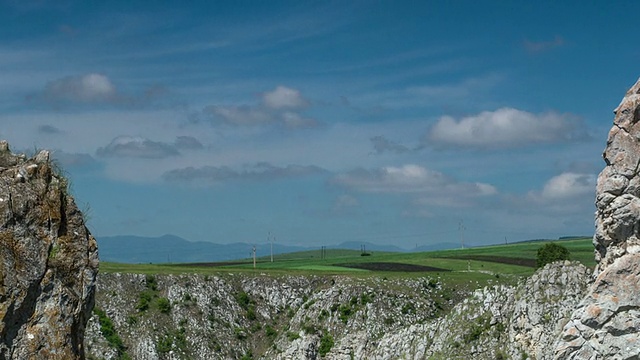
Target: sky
(409,123)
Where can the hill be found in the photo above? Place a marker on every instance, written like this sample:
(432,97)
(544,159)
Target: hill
(132,249)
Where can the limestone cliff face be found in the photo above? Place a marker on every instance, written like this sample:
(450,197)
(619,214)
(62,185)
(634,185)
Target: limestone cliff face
(606,323)
(48,262)
(287,317)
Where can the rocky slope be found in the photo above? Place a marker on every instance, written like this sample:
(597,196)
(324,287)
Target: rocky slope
(48,262)
(233,316)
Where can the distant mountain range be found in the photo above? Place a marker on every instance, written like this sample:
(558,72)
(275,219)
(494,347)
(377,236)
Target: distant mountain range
(174,249)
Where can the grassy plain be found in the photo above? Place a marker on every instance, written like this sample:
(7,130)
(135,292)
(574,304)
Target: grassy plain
(478,265)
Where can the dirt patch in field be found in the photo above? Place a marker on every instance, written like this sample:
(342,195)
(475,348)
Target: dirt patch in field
(215,264)
(390,266)
(499,259)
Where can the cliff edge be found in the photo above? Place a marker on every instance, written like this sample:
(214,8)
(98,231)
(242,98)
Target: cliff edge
(48,262)
(606,323)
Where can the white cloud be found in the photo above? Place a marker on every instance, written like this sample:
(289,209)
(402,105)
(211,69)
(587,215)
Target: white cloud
(568,185)
(281,106)
(504,128)
(283,97)
(410,179)
(85,88)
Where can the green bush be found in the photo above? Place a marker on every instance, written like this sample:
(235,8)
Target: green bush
(150,280)
(109,332)
(165,344)
(292,335)
(164,305)
(326,343)
(270,331)
(551,252)
(144,299)
(243,300)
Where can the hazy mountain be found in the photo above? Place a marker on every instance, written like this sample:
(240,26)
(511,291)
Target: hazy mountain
(174,249)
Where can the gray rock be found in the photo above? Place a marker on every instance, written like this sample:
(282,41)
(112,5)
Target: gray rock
(606,324)
(48,262)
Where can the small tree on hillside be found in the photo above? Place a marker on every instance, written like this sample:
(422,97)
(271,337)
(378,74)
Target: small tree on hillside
(551,252)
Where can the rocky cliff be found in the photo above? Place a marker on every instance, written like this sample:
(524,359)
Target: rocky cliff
(606,324)
(244,315)
(48,262)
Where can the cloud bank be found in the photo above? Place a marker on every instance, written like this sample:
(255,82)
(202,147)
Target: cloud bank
(257,172)
(408,179)
(137,147)
(504,128)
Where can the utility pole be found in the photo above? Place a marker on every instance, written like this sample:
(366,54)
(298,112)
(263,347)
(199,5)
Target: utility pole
(461,229)
(254,256)
(269,238)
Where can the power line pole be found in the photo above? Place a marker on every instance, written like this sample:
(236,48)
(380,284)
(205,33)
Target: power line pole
(254,256)
(461,229)
(269,238)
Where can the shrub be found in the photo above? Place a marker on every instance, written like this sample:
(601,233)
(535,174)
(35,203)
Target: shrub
(270,331)
(165,344)
(251,313)
(109,332)
(144,298)
(243,300)
(326,343)
(551,252)
(164,305)
(150,280)
(292,335)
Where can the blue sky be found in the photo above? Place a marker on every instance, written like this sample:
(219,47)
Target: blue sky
(324,121)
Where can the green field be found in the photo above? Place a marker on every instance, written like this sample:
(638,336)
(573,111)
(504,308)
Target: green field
(479,265)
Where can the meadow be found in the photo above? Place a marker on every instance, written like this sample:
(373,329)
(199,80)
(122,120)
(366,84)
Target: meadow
(478,266)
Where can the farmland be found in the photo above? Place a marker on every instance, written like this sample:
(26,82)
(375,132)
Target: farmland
(478,265)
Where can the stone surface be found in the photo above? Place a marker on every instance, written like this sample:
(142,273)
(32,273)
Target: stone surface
(606,324)
(48,262)
(386,319)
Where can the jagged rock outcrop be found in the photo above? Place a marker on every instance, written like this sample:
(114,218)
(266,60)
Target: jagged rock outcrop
(606,324)
(48,262)
(228,316)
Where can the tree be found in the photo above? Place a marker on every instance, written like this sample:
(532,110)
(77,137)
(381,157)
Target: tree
(551,252)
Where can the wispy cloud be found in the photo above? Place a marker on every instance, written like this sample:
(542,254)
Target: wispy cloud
(281,106)
(137,147)
(73,160)
(188,143)
(257,172)
(505,128)
(94,89)
(542,46)
(409,179)
(381,145)
(87,88)
(48,130)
